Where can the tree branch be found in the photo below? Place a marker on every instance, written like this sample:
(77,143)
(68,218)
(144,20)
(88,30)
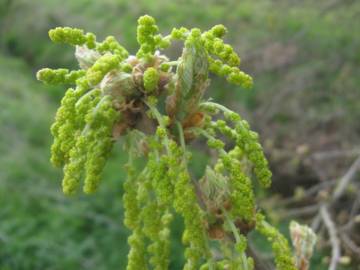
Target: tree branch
(331,228)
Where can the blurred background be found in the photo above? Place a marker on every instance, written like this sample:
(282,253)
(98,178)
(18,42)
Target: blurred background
(304,57)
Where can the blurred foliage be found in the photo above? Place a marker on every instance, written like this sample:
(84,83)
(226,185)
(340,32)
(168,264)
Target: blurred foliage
(303,55)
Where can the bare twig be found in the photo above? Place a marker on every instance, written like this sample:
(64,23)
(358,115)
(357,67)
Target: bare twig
(309,192)
(334,154)
(315,225)
(353,212)
(345,180)
(331,228)
(324,216)
(301,211)
(350,243)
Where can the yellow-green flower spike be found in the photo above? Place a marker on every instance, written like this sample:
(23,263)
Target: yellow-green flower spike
(72,36)
(137,254)
(247,141)
(110,44)
(185,204)
(218,31)
(130,201)
(179,34)
(101,123)
(64,129)
(102,66)
(151,79)
(284,258)
(241,190)
(74,169)
(59,76)
(146,31)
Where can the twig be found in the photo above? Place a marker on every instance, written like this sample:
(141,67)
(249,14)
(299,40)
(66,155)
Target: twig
(315,225)
(350,243)
(334,154)
(301,211)
(345,180)
(324,215)
(309,192)
(354,210)
(331,228)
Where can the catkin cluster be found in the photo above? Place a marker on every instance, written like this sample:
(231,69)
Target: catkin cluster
(157,106)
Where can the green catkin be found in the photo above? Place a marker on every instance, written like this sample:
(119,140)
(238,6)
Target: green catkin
(146,31)
(102,66)
(248,142)
(84,105)
(233,74)
(63,129)
(185,203)
(100,123)
(132,210)
(59,76)
(121,95)
(179,34)
(74,169)
(161,175)
(110,44)
(136,256)
(72,36)
(155,220)
(241,190)
(151,80)
(65,126)
(228,61)
(130,200)
(284,259)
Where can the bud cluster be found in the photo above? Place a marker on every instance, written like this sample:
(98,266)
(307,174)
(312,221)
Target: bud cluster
(157,106)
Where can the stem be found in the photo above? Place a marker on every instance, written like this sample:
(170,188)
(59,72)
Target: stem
(237,239)
(173,63)
(216,105)
(181,134)
(160,120)
(331,227)
(210,137)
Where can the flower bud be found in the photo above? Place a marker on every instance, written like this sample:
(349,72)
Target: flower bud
(118,85)
(303,239)
(85,56)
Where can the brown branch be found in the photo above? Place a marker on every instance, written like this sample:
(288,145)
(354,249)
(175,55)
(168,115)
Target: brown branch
(301,211)
(345,180)
(309,192)
(331,228)
(350,243)
(334,154)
